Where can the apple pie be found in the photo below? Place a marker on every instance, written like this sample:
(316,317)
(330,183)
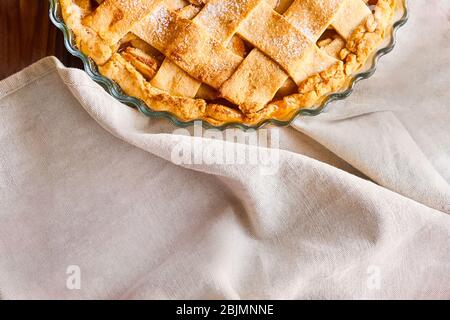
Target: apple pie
(221,61)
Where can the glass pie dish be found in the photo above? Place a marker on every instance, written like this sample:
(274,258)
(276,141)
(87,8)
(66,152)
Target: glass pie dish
(400,18)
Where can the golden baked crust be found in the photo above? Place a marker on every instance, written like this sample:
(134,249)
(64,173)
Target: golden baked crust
(229,60)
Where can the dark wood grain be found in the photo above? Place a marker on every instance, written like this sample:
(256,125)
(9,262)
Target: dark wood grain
(27,35)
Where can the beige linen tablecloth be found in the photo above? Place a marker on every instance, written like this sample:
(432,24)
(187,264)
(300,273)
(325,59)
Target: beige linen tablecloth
(93,203)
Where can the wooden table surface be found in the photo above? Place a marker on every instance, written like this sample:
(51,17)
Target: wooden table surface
(27,35)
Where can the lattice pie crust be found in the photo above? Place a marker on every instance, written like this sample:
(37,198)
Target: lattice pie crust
(229,60)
